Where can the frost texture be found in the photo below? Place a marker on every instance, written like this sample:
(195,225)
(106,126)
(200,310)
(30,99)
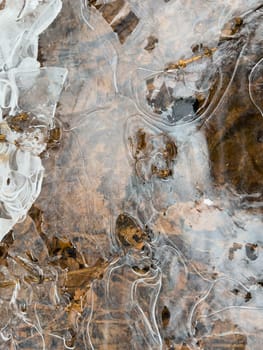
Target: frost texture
(147,234)
(25,88)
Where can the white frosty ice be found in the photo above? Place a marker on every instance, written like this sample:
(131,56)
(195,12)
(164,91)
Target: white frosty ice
(24,87)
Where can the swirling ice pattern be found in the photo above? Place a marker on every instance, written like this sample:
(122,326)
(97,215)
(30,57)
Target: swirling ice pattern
(159,259)
(21,173)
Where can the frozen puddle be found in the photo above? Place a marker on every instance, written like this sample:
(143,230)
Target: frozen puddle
(131,142)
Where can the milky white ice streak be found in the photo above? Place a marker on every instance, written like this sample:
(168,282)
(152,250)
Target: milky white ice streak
(22,82)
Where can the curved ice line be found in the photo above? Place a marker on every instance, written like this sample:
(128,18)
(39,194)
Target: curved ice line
(190,319)
(250,83)
(152,311)
(82,7)
(134,301)
(229,83)
(63,339)
(232,307)
(109,272)
(90,317)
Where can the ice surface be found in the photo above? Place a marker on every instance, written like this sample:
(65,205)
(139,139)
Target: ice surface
(24,88)
(146,232)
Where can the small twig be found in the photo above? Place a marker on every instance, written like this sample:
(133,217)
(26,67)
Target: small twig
(184,63)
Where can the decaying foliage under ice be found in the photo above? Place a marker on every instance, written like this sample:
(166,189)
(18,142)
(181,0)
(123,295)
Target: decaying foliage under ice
(131,211)
(28,97)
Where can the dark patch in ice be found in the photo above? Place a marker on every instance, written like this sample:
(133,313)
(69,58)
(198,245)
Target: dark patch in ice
(125,26)
(251,251)
(152,41)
